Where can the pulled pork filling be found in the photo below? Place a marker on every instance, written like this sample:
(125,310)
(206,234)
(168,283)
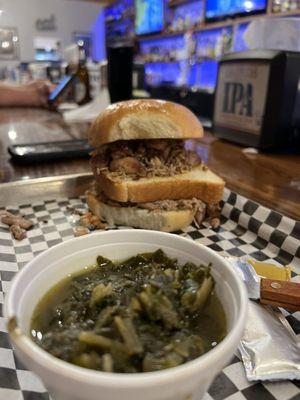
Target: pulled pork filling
(136,159)
(159,205)
(202,211)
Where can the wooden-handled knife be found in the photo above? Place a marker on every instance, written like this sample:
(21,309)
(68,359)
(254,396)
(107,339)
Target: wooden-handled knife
(269,291)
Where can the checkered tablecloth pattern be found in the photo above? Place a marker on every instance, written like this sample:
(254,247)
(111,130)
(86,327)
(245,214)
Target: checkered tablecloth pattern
(247,230)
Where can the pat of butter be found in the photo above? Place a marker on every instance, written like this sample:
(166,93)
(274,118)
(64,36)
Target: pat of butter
(271,271)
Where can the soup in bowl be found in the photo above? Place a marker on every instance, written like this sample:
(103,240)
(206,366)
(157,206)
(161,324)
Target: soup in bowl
(173,312)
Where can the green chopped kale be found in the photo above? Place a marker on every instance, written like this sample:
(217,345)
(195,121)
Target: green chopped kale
(143,314)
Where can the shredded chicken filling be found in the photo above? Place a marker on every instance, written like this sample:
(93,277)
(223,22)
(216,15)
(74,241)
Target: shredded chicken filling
(136,159)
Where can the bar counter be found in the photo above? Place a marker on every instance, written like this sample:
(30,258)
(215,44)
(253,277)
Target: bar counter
(272,180)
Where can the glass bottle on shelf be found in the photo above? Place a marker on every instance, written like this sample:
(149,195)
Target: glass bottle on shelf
(285,5)
(152,54)
(160,54)
(294,5)
(168,26)
(226,41)
(187,21)
(165,55)
(201,51)
(206,47)
(197,49)
(173,53)
(276,6)
(82,82)
(180,23)
(218,48)
(211,50)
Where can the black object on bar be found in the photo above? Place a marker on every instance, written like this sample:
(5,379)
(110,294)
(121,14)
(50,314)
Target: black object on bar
(256,97)
(119,72)
(201,102)
(48,151)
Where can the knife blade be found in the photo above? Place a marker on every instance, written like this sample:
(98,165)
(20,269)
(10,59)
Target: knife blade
(269,291)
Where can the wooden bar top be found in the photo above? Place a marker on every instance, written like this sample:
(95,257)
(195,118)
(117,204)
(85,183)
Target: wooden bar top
(270,179)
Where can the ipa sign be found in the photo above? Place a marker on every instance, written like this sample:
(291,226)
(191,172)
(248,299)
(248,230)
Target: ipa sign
(241,96)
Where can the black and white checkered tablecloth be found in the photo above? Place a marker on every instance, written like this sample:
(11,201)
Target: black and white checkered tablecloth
(247,230)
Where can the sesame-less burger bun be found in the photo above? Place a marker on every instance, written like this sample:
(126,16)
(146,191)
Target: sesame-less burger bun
(144,119)
(166,221)
(200,183)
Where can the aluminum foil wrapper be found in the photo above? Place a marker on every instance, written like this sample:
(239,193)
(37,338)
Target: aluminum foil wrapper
(269,348)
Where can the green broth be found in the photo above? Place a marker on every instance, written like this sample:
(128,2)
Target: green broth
(144,314)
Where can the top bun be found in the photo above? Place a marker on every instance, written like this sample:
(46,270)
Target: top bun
(144,119)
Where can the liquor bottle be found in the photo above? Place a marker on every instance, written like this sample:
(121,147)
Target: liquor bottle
(293,5)
(285,6)
(82,82)
(276,6)
(218,48)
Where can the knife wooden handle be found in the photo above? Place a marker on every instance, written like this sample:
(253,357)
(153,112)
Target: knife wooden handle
(280,293)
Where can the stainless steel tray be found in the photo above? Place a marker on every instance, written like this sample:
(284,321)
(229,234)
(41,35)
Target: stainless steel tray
(32,190)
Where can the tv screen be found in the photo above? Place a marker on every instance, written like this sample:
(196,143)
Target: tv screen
(149,16)
(220,9)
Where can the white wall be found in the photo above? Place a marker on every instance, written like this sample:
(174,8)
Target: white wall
(70,16)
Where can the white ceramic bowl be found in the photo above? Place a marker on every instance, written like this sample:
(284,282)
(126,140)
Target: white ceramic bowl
(65,381)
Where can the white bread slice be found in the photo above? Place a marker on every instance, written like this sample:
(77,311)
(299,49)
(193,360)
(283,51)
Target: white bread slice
(144,119)
(166,221)
(200,183)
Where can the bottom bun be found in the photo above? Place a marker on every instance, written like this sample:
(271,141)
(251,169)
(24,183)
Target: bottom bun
(166,221)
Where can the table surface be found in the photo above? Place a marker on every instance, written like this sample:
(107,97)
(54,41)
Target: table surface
(270,179)
(54,223)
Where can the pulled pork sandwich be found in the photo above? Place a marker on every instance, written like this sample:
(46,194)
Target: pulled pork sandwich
(145,175)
